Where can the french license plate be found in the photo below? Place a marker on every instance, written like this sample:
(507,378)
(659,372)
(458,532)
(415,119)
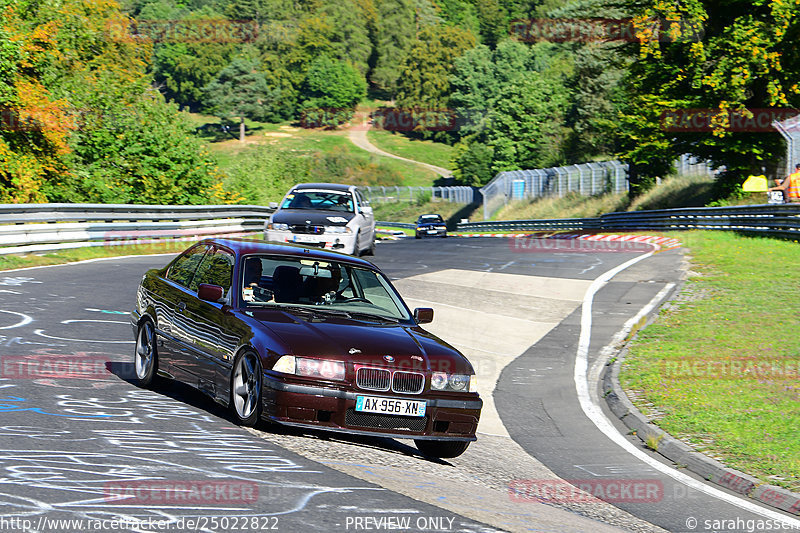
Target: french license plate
(389,406)
(305,238)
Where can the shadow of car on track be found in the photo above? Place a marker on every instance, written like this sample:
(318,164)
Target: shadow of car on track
(185,394)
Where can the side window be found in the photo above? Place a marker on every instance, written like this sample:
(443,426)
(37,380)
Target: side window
(215,269)
(362,201)
(183,269)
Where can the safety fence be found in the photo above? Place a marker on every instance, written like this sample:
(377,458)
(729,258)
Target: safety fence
(456,194)
(780,220)
(587,179)
(41,227)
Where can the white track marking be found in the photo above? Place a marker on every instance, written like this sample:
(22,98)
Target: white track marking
(25,319)
(594,413)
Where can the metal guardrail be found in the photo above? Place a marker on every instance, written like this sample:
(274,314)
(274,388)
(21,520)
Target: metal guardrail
(400,225)
(783,220)
(41,227)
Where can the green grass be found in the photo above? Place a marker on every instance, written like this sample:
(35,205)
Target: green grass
(676,191)
(11,261)
(695,363)
(286,137)
(429,152)
(570,206)
(410,211)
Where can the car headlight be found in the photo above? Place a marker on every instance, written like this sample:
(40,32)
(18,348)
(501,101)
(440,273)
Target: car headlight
(310,368)
(338,229)
(278,226)
(454,382)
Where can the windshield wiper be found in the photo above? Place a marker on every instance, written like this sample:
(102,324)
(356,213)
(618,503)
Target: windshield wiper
(356,314)
(313,310)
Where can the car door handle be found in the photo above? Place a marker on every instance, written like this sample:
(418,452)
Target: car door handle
(182,307)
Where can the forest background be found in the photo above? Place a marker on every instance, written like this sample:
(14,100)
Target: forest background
(99,100)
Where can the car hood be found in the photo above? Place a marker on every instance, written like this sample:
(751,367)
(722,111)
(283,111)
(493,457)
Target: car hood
(316,217)
(368,343)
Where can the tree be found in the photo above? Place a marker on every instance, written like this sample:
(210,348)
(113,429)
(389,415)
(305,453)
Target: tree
(184,66)
(331,91)
(352,23)
(725,57)
(141,151)
(597,101)
(241,91)
(394,37)
(426,74)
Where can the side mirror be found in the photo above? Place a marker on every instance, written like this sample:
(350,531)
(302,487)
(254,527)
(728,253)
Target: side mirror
(210,293)
(423,315)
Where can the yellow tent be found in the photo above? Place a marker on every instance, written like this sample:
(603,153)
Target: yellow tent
(755,184)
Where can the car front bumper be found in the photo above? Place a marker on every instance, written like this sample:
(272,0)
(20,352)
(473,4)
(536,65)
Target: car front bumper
(339,242)
(334,410)
(431,232)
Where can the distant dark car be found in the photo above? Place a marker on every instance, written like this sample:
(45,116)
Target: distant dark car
(430,226)
(324,215)
(305,338)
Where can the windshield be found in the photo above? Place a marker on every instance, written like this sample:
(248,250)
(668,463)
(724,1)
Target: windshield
(319,199)
(324,286)
(427,219)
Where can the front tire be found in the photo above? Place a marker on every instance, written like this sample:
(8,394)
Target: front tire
(357,244)
(371,249)
(441,449)
(246,389)
(145,360)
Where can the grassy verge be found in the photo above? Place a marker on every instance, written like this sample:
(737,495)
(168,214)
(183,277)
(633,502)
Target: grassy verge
(268,141)
(409,212)
(429,152)
(569,206)
(677,191)
(719,368)
(81,254)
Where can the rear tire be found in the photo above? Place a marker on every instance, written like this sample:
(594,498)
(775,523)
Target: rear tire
(246,389)
(145,359)
(441,449)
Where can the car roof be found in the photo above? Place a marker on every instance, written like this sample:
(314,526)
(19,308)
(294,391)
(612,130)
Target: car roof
(431,215)
(329,186)
(253,246)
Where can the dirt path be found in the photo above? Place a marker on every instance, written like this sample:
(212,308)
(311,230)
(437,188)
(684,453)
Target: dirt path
(358,136)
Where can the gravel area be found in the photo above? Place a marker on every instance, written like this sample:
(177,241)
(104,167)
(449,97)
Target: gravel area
(474,485)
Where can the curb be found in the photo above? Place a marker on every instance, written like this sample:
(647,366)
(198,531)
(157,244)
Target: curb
(683,455)
(664,242)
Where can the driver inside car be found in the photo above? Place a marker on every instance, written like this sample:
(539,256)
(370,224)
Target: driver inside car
(252,291)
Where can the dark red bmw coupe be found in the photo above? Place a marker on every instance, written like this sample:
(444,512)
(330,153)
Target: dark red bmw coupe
(306,338)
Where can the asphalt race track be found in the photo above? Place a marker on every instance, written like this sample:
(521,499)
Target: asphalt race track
(79,442)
